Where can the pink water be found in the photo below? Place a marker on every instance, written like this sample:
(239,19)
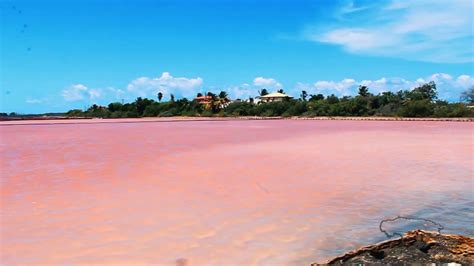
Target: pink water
(282,192)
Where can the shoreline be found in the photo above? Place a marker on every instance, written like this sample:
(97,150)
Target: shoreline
(86,120)
(417,246)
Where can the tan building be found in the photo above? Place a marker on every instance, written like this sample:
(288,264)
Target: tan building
(203,99)
(274,97)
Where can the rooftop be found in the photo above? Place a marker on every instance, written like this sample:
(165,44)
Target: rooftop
(203,98)
(276,95)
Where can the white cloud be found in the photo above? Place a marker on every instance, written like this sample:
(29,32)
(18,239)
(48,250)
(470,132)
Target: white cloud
(449,88)
(76,92)
(95,93)
(341,87)
(268,83)
(427,30)
(35,101)
(465,81)
(246,90)
(243,91)
(388,84)
(113,93)
(80,92)
(140,87)
(251,90)
(145,86)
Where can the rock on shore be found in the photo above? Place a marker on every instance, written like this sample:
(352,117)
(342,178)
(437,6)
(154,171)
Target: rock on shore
(417,246)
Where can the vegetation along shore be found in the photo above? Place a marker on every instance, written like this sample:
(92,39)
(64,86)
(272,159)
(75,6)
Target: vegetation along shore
(421,102)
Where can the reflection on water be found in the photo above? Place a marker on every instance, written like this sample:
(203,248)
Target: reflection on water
(234,193)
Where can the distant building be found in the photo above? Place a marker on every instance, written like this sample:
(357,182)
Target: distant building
(256,100)
(205,100)
(274,97)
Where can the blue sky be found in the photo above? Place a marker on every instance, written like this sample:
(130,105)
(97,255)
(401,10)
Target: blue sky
(59,55)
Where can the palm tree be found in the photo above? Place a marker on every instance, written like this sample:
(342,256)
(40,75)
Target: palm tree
(223,99)
(217,102)
(304,94)
(214,103)
(223,95)
(263,92)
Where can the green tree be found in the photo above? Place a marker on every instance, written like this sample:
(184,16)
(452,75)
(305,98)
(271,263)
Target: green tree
(152,110)
(417,108)
(426,91)
(263,92)
(332,99)
(223,99)
(419,102)
(303,95)
(75,113)
(281,91)
(363,91)
(141,105)
(468,95)
(97,111)
(159,96)
(114,107)
(223,95)
(316,97)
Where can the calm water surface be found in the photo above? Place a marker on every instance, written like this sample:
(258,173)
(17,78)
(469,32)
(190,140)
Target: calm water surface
(281,192)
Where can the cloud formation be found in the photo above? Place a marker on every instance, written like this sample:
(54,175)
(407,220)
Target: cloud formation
(79,92)
(35,101)
(449,87)
(145,86)
(243,91)
(426,30)
(268,83)
(140,87)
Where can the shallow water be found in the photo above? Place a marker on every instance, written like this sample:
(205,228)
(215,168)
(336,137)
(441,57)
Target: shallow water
(280,192)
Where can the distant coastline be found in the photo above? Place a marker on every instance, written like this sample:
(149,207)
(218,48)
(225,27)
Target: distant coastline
(69,120)
(421,103)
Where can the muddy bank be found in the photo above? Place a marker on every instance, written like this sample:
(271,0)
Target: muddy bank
(416,246)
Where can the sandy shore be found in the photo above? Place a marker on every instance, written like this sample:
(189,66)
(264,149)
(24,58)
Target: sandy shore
(181,119)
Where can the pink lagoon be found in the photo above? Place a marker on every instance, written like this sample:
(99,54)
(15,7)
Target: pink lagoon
(270,192)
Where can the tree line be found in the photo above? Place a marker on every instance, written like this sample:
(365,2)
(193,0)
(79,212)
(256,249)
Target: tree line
(420,102)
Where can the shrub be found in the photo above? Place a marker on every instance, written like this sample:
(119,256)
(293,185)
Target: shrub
(418,108)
